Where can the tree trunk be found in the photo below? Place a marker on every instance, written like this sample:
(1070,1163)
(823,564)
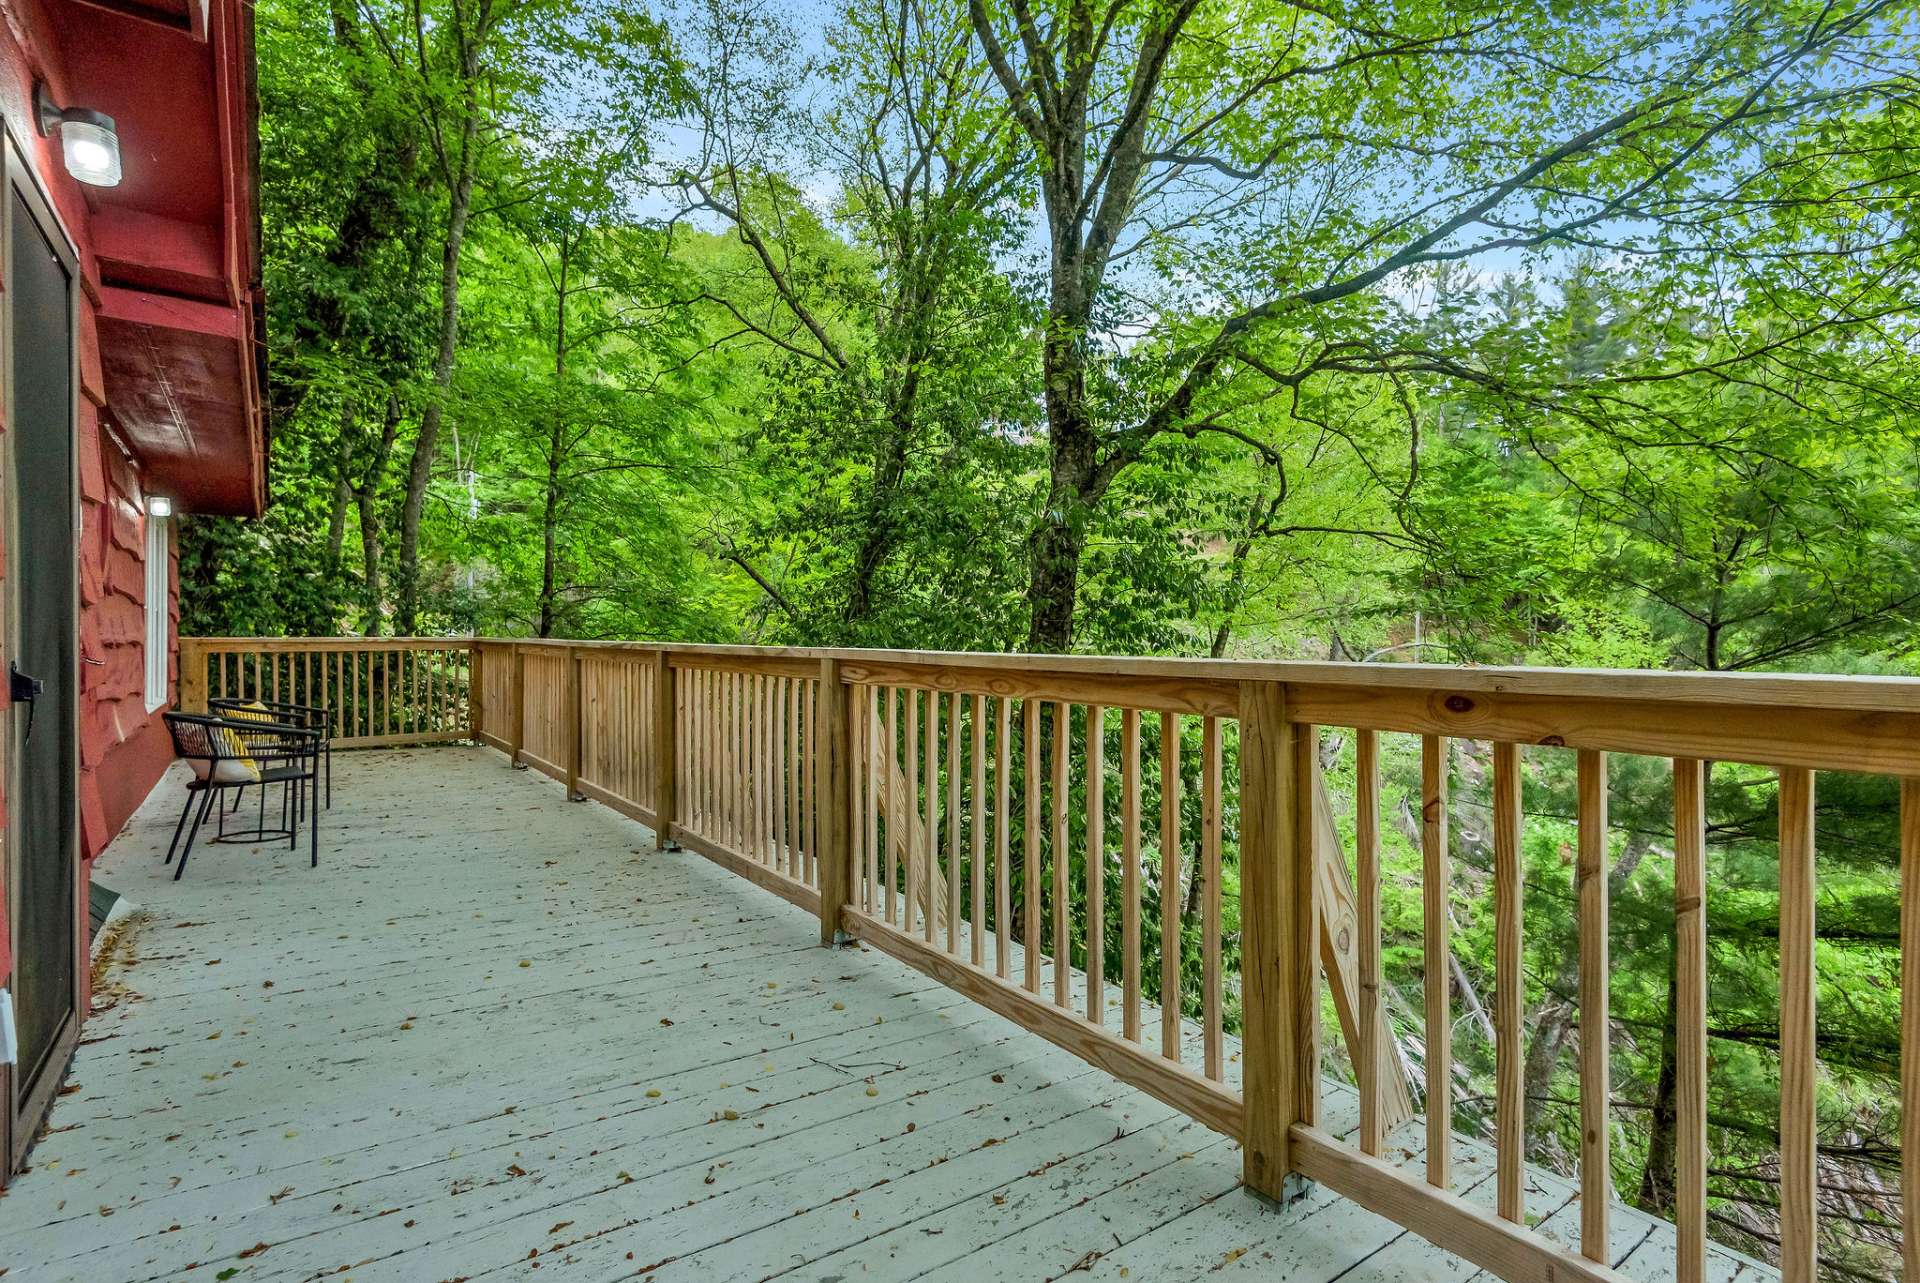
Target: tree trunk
(1074,485)
(459,204)
(877,543)
(1550,1025)
(556,444)
(368,493)
(1658,1178)
(342,495)
(371,620)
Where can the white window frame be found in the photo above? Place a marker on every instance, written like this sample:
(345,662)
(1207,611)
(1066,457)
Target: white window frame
(158,615)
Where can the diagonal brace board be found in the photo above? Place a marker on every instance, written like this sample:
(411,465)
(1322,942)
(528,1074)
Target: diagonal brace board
(909,837)
(1340,958)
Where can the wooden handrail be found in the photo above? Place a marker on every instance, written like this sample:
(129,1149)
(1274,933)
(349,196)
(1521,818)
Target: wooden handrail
(925,801)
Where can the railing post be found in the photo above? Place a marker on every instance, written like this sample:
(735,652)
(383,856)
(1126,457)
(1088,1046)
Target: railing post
(476,696)
(1280,1045)
(666,752)
(518,737)
(836,801)
(575,726)
(193,675)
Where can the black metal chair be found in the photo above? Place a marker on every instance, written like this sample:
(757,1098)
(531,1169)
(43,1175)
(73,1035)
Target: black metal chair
(237,753)
(311,716)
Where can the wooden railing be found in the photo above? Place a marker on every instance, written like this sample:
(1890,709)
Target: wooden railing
(947,808)
(376,691)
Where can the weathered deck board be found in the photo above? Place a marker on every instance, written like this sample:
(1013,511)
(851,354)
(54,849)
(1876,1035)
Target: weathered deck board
(437,1057)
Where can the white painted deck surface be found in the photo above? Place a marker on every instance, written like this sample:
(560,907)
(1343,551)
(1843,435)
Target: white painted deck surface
(495,1036)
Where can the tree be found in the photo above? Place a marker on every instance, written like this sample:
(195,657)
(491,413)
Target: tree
(896,349)
(1174,147)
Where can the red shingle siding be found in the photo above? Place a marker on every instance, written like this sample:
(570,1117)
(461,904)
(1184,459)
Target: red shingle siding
(123,748)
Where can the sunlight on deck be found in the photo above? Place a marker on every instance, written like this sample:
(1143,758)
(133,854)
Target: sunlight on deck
(495,1035)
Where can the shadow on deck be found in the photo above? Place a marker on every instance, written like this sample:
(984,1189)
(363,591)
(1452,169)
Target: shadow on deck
(495,1035)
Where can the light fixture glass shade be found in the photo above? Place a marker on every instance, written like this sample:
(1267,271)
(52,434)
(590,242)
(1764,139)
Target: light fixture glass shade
(91,151)
(158,505)
(89,144)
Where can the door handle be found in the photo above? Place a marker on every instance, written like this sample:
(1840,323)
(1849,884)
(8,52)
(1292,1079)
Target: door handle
(22,688)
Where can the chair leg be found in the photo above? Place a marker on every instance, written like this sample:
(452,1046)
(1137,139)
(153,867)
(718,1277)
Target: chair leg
(292,790)
(205,801)
(178,827)
(313,835)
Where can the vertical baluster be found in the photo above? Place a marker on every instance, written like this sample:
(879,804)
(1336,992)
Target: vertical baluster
(800,748)
(1301,968)
(931,764)
(1062,860)
(740,741)
(977,805)
(1910,1026)
(716,754)
(1096,863)
(1690,1020)
(910,750)
(743,763)
(1030,861)
(813,782)
(1510,991)
(870,804)
(1170,899)
(1590,869)
(772,765)
(1798,1056)
(730,770)
(723,757)
(1366,842)
(790,775)
(757,709)
(700,764)
(954,915)
(686,748)
(1210,979)
(893,800)
(688,682)
(698,768)
(1130,874)
(716,761)
(863,713)
(1003,834)
(1437,877)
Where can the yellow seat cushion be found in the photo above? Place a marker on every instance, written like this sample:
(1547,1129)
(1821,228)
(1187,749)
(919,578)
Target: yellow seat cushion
(238,767)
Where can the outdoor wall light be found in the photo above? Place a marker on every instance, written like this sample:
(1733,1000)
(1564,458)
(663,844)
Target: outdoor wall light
(88,142)
(158,505)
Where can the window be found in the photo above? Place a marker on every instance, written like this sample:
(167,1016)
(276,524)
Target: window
(158,638)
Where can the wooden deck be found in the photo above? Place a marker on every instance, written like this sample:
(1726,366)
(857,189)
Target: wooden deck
(496,1036)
